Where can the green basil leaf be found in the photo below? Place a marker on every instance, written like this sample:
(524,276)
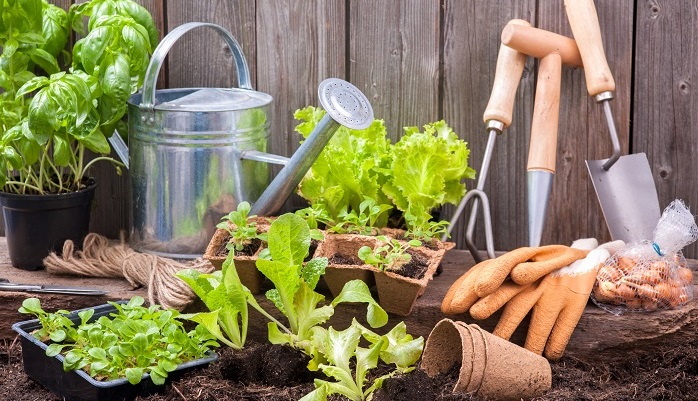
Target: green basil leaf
(116,86)
(93,46)
(143,18)
(12,157)
(55,28)
(42,116)
(32,85)
(10,47)
(30,38)
(45,60)
(61,151)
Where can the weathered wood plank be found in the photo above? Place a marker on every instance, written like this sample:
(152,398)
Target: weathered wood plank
(201,58)
(598,334)
(299,44)
(394,60)
(573,211)
(665,114)
(470,46)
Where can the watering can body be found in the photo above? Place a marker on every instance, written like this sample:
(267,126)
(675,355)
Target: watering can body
(194,154)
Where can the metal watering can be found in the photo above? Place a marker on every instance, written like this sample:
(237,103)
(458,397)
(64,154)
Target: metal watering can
(196,153)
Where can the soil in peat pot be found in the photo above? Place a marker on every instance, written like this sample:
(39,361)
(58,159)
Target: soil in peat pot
(339,259)
(247,250)
(415,268)
(275,373)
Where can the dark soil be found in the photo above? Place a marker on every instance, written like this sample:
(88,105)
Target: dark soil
(274,373)
(339,259)
(247,250)
(415,268)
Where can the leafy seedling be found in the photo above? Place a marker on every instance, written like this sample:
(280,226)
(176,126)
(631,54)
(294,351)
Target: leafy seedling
(389,256)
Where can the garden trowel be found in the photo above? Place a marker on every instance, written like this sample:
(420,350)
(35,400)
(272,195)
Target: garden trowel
(624,185)
(553,50)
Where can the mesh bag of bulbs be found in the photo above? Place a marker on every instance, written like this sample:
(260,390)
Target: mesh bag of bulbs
(650,275)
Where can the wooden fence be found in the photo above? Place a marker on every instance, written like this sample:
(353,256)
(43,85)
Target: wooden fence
(423,60)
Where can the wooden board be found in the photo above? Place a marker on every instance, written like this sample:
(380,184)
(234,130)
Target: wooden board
(424,60)
(471,44)
(299,44)
(598,332)
(394,59)
(665,114)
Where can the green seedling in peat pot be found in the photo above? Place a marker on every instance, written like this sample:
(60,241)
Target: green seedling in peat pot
(349,364)
(389,256)
(295,281)
(131,342)
(425,231)
(315,215)
(364,222)
(243,229)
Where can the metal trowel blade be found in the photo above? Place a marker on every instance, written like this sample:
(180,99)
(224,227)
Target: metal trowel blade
(628,197)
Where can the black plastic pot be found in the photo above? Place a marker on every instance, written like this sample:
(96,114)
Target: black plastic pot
(35,225)
(77,385)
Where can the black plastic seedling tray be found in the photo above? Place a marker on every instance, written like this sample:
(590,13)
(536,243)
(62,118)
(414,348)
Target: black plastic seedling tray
(78,385)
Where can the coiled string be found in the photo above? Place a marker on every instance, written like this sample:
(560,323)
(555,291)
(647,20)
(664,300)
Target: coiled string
(101,257)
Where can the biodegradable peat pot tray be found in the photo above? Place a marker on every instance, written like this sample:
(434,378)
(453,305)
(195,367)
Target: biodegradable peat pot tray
(245,265)
(77,385)
(345,248)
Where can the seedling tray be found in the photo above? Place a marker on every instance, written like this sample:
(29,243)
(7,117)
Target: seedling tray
(78,385)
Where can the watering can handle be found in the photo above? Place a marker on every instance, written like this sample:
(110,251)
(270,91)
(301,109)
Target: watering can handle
(151,74)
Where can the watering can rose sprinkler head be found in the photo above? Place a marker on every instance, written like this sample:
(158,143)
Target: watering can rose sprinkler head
(345,105)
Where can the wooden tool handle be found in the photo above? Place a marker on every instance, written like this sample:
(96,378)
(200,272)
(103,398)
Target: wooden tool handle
(510,65)
(546,111)
(539,43)
(585,28)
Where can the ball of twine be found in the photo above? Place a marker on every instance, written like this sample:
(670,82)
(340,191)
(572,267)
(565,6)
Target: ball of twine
(101,257)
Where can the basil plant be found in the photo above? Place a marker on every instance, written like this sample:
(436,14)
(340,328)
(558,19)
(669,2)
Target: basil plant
(56,104)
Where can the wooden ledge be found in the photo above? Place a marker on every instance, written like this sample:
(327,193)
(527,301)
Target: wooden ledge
(598,334)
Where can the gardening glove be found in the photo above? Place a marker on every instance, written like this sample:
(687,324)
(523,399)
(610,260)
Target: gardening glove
(487,305)
(557,302)
(526,265)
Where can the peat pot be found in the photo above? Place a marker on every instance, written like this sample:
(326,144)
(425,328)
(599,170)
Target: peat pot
(194,154)
(35,225)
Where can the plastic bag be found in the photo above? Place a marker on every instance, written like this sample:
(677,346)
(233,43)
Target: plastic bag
(650,275)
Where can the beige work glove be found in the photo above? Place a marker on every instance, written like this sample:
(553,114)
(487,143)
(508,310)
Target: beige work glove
(524,265)
(557,302)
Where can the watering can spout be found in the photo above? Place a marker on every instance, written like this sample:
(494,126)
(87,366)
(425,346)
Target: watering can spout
(345,105)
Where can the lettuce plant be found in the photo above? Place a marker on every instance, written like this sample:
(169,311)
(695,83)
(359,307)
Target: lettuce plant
(294,283)
(226,299)
(427,170)
(348,363)
(422,171)
(351,167)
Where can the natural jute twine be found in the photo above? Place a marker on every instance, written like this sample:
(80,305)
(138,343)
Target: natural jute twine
(101,257)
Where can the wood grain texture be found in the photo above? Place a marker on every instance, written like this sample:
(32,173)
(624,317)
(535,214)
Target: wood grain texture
(201,58)
(470,46)
(424,60)
(299,44)
(665,114)
(573,211)
(394,60)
